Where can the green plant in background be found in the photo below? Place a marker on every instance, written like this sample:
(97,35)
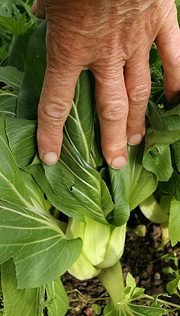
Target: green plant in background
(15,20)
(173,286)
(37,246)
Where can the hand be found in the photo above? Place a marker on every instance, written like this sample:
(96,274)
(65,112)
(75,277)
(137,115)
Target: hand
(113,39)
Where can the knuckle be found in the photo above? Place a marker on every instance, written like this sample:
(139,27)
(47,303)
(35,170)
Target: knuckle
(115,147)
(114,112)
(55,112)
(139,94)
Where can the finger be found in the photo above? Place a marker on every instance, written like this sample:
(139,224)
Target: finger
(168,44)
(56,99)
(138,85)
(112,106)
(54,107)
(38,9)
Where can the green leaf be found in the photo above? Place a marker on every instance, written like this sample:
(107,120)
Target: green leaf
(139,183)
(172,286)
(57,301)
(36,195)
(22,140)
(64,200)
(34,75)
(106,199)
(164,131)
(28,233)
(11,184)
(96,308)
(41,251)
(178,10)
(12,77)
(176,152)
(157,155)
(17,302)
(130,287)
(85,185)
(130,281)
(7,103)
(132,184)
(131,309)
(173,185)
(174,222)
(17,56)
(138,310)
(82,120)
(161,119)
(168,270)
(121,212)
(14,21)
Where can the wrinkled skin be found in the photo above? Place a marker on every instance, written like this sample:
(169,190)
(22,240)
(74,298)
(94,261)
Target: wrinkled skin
(112,38)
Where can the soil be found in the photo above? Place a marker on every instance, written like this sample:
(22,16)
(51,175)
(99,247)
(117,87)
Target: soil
(143,257)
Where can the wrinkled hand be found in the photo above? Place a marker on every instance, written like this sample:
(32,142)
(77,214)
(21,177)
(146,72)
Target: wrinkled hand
(113,39)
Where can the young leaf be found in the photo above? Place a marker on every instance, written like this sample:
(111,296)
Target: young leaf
(17,302)
(96,308)
(172,286)
(130,281)
(169,270)
(57,301)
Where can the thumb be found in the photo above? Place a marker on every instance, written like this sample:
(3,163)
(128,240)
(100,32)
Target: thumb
(54,106)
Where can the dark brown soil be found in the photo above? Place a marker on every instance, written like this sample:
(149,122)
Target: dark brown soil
(143,258)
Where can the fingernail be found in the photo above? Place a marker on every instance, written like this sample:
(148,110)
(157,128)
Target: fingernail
(118,162)
(50,158)
(135,139)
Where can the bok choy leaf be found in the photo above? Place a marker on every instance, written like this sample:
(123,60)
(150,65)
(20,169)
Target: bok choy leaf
(28,232)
